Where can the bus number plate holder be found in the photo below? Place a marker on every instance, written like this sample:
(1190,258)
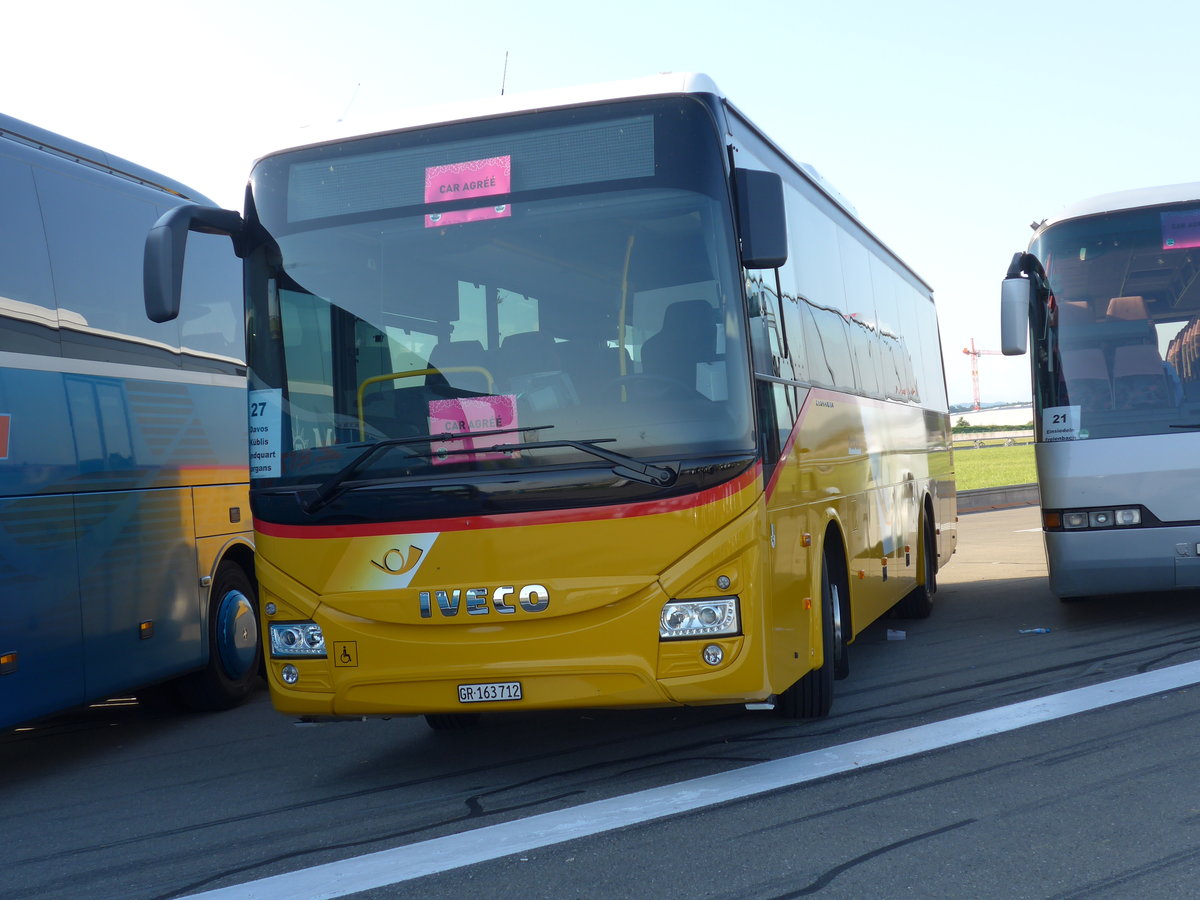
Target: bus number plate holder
(488,693)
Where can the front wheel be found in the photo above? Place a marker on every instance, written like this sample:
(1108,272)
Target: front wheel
(234,645)
(812,696)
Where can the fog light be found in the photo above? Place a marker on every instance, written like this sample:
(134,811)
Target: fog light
(723,582)
(1101,518)
(1128,516)
(270,608)
(290,674)
(1075,520)
(713,654)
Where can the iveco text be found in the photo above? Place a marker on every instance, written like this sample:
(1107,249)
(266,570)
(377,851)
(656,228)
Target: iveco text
(532,598)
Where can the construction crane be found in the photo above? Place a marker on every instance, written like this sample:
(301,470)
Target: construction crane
(975,354)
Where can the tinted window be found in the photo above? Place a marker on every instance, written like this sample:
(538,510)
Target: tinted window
(895,367)
(26,295)
(1121,344)
(831,363)
(931,382)
(813,241)
(211,323)
(766,326)
(96,235)
(593,291)
(855,319)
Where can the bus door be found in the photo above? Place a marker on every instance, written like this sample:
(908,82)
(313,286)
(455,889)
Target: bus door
(787,552)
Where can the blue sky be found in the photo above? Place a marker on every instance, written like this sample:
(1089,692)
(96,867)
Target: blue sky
(950,126)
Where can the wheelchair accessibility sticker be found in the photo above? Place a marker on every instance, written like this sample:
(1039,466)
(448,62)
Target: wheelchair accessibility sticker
(345,653)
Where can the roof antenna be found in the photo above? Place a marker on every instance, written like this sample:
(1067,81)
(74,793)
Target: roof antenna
(504,76)
(353,97)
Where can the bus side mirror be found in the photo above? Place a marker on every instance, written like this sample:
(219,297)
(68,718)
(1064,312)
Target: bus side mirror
(761,218)
(166,245)
(1016,296)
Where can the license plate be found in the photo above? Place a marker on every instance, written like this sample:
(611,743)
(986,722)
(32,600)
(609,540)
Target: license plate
(484,693)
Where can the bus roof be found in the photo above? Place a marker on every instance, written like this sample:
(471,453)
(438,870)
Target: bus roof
(508,104)
(662,84)
(57,145)
(1118,201)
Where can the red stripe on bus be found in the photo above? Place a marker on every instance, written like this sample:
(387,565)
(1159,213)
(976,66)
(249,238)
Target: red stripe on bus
(513,520)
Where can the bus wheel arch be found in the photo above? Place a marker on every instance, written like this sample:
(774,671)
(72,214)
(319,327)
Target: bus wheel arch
(235,657)
(812,696)
(918,603)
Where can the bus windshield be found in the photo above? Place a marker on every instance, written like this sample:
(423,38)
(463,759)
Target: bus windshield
(545,281)
(1121,358)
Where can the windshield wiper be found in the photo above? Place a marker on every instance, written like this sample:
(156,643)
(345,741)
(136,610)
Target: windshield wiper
(335,484)
(622,464)
(1189,425)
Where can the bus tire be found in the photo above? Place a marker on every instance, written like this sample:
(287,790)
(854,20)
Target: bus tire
(812,696)
(234,644)
(452,721)
(918,604)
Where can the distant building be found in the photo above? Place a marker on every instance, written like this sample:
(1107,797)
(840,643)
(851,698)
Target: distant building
(1001,415)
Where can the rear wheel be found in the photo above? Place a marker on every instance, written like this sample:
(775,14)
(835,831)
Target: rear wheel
(812,696)
(234,646)
(918,604)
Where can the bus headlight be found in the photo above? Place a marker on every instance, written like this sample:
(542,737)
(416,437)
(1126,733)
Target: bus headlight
(1079,519)
(1128,516)
(296,639)
(699,618)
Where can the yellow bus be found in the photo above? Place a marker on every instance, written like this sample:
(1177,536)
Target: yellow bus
(591,398)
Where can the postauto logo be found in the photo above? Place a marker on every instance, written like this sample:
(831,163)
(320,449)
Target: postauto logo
(393,561)
(397,562)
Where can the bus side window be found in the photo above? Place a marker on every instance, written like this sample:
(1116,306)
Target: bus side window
(96,271)
(764,325)
(829,338)
(210,319)
(776,402)
(30,320)
(1183,354)
(777,412)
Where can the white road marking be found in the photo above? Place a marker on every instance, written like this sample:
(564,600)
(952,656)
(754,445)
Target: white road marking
(386,867)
